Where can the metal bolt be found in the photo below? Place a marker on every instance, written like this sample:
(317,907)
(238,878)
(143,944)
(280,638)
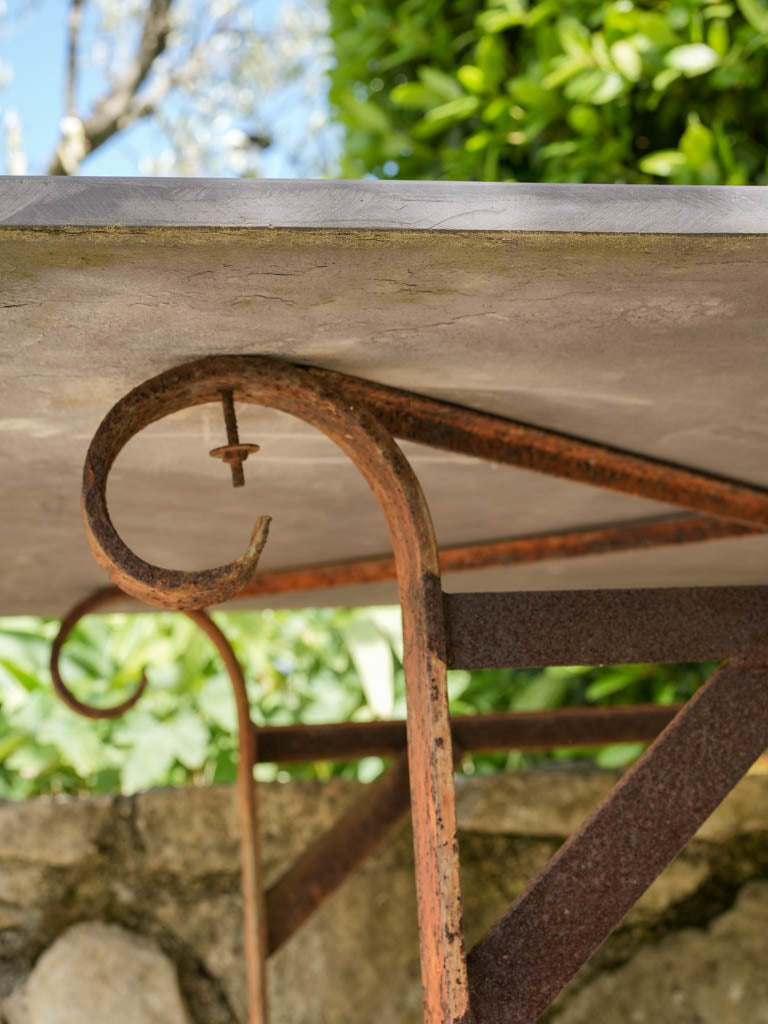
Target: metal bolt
(233,451)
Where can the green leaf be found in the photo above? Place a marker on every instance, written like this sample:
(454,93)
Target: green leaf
(610,683)
(148,762)
(447,113)
(372,656)
(575,38)
(528,92)
(697,142)
(471,77)
(20,674)
(500,21)
(718,37)
(491,58)
(76,739)
(217,703)
(390,621)
(413,96)
(584,119)
(611,87)
(190,738)
(565,68)
(478,141)
(545,690)
(693,59)
(558,150)
(369,768)
(442,85)
(618,755)
(11,742)
(32,761)
(458,683)
(627,60)
(595,87)
(225,768)
(663,163)
(623,19)
(367,116)
(756,14)
(665,78)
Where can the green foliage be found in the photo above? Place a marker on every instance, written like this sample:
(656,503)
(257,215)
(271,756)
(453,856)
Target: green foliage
(555,90)
(322,665)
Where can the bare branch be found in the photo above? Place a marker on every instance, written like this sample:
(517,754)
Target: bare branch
(74,21)
(118,108)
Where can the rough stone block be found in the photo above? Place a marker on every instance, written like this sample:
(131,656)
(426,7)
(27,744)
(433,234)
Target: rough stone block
(96,973)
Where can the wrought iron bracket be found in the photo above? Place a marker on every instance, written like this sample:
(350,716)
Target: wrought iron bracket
(518,968)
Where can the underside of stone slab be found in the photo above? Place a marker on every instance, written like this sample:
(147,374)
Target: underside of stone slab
(631,316)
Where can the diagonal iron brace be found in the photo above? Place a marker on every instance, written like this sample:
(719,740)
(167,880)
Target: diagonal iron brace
(525,960)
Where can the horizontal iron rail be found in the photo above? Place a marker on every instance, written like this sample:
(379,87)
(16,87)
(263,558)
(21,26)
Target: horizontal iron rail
(539,730)
(513,551)
(456,428)
(519,967)
(597,627)
(331,858)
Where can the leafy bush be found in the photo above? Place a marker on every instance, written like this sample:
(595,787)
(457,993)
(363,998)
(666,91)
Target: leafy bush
(314,666)
(555,90)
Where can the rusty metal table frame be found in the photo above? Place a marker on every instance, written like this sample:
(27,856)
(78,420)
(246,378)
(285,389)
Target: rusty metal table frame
(699,751)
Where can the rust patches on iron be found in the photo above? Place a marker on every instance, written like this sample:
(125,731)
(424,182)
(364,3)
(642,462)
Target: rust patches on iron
(165,588)
(234,453)
(426,421)
(361,417)
(455,428)
(496,553)
(532,730)
(531,629)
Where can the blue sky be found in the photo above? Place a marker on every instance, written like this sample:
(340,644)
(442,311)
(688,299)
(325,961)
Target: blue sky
(33,49)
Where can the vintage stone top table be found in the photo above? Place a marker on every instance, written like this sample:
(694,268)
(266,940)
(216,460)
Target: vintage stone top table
(608,336)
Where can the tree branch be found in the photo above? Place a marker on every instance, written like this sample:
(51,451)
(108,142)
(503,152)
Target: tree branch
(118,107)
(74,22)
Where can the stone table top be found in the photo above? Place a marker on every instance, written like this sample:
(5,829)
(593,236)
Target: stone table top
(628,315)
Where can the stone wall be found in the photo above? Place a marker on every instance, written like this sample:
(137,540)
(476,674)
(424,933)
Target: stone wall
(128,909)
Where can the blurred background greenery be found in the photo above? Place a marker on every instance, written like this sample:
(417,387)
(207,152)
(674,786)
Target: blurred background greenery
(559,90)
(555,90)
(319,665)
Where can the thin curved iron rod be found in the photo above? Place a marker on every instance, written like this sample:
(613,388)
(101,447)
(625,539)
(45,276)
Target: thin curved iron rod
(610,539)
(254,916)
(106,595)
